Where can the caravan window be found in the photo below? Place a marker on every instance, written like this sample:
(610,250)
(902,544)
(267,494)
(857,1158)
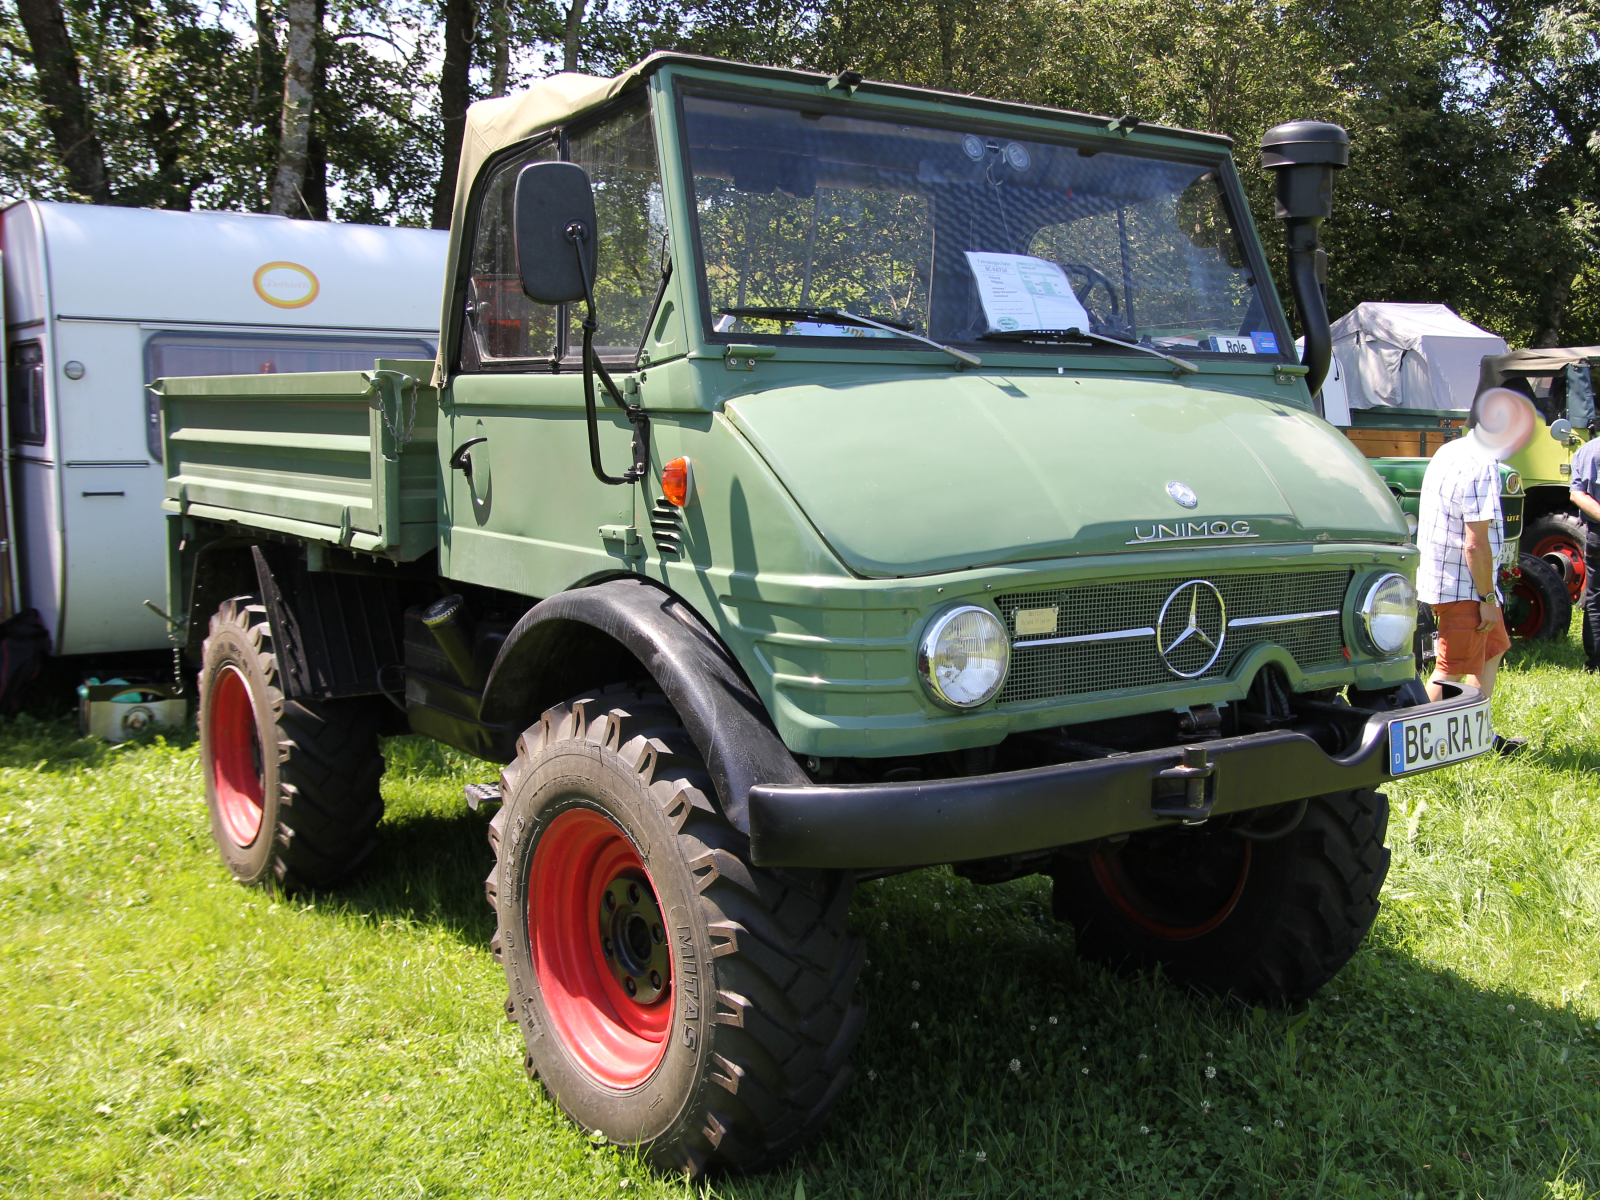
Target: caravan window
(25,393)
(171,355)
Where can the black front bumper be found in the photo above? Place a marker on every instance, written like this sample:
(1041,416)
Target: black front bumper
(878,825)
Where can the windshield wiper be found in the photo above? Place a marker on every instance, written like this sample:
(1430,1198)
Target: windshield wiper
(839,314)
(1074,335)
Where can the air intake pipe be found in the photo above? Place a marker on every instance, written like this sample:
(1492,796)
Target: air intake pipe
(1304,156)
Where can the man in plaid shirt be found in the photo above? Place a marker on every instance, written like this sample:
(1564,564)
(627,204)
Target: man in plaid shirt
(1460,532)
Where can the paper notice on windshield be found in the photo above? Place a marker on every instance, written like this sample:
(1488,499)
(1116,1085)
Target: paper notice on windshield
(1020,291)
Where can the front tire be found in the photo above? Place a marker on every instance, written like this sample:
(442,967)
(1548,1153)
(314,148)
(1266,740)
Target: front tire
(1558,539)
(292,785)
(1265,920)
(669,994)
(1538,608)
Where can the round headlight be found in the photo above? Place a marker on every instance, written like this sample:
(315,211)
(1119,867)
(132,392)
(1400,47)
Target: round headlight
(1389,613)
(964,655)
(1513,483)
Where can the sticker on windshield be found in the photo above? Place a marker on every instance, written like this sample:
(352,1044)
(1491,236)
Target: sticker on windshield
(822,329)
(1020,291)
(1255,343)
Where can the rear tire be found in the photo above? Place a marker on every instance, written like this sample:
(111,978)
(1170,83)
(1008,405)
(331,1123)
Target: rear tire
(1538,608)
(292,785)
(731,1046)
(1558,538)
(1266,921)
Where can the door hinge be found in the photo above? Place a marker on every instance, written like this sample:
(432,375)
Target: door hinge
(623,540)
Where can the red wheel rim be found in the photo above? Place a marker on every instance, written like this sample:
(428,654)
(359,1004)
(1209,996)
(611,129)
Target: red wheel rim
(1149,914)
(613,1036)
(236,757)
(1528,617)
(1565,557)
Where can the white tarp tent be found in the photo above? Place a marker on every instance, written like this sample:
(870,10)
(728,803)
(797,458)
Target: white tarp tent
(1410,356)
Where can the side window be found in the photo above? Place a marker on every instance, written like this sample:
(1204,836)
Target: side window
(503,323)
(620,156)
(25,393)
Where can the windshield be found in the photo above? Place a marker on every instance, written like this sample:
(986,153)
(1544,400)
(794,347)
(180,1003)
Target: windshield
(958,235)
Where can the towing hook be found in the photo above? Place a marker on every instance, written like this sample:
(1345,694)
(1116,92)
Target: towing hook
(1191,801)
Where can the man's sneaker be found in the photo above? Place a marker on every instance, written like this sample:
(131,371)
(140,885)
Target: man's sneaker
(1506,747)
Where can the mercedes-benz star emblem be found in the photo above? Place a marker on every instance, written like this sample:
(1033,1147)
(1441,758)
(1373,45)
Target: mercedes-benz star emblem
(1183,494)
(1191,628)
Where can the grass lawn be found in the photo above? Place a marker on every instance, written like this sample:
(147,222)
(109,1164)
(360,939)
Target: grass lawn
(166,1033)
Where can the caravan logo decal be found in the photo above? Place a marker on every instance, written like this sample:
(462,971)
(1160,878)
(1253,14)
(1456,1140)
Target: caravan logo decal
(286,284)
(1191,531)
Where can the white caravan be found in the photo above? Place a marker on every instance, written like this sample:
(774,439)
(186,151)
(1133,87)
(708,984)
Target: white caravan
(99,302)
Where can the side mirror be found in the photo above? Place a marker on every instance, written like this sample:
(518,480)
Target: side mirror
(1561,430)
(555,209)
(1304,155)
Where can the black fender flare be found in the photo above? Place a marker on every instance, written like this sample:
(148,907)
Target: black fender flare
(582,639)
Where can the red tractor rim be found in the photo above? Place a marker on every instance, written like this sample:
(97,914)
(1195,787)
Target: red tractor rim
(1124,894)
(581,859)
(1533,620)
(236,757)
(1566,558)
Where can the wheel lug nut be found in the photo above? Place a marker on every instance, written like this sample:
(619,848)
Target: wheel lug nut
(611,902)
(628,982)
(660,937)
(606,946)
(655,980)
(633,893)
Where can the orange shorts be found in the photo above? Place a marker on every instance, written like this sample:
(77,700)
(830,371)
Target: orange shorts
(1462,649)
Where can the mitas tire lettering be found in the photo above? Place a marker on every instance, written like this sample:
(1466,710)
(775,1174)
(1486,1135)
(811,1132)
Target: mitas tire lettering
(741,1088)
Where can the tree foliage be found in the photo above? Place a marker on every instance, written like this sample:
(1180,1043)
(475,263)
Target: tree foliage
(1475,128)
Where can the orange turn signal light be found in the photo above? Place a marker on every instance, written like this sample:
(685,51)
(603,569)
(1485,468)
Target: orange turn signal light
(677,481)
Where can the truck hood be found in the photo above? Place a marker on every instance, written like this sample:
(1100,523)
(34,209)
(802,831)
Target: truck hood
(916,475)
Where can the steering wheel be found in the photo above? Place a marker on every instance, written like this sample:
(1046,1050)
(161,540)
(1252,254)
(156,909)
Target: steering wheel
(1091,280)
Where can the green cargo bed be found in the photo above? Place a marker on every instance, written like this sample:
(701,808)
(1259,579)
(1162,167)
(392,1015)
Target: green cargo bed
(344,457)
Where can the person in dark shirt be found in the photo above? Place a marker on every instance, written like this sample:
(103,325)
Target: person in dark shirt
(1586,496)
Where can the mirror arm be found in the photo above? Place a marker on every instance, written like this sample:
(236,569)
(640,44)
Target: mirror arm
(576,235)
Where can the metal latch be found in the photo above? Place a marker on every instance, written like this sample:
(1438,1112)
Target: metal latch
(743,358)
(1286,373)
(1185,792)
(628,537)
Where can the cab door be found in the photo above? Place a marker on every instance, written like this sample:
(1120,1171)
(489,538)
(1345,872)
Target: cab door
(524,510)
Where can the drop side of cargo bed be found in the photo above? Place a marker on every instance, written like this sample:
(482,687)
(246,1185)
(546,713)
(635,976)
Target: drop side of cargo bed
(348,458)
(1403,432)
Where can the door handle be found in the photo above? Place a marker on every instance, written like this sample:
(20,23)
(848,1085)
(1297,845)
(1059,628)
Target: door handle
(461,460)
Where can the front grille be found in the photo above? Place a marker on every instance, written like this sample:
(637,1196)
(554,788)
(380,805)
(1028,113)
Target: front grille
(1049,671)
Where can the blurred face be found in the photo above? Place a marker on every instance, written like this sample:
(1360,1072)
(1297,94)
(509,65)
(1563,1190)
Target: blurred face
(1505,421)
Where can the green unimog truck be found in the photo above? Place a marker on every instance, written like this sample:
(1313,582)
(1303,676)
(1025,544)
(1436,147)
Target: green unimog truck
(820,479)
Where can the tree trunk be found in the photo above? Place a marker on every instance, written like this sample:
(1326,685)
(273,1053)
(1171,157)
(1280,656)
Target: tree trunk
(500,75)
(299,80)
(1554,297)
(569,61)
(454,95)
(66,110)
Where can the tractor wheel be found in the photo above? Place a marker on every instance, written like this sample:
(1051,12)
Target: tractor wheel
(292,785)
(1266,919)
(1538,608)
(670,995)
(1558,538)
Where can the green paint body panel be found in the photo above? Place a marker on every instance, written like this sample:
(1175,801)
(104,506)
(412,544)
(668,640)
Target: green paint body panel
(843,496)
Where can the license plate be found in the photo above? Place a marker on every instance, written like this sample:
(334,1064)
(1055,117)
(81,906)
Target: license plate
(1421,743)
